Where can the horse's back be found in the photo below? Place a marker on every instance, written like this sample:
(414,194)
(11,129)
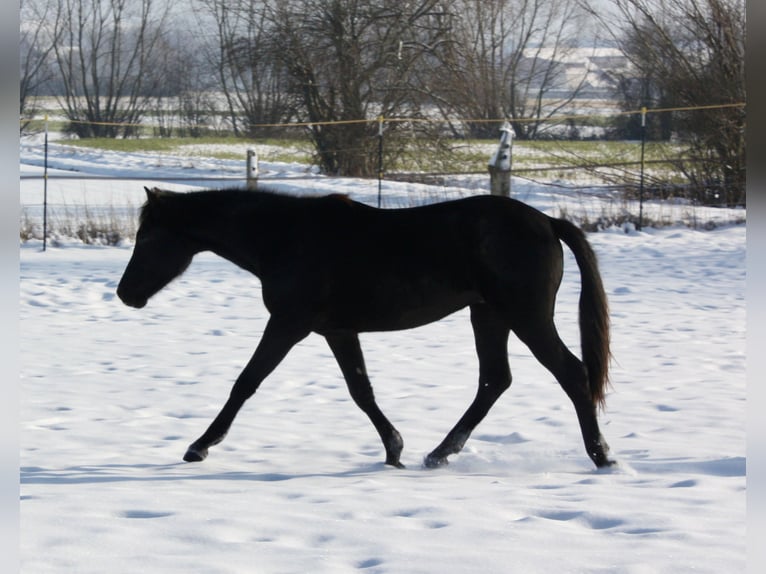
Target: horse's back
(448,255)
(478,234)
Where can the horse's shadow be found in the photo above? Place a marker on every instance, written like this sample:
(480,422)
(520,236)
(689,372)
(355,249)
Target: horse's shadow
(139,473)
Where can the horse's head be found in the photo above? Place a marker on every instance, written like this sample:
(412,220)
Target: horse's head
(160,254)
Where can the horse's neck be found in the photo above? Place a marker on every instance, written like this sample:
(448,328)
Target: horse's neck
(230,233)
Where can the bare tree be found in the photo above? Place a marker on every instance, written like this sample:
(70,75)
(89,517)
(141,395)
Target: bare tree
(105,56)
(242,53)
(507,60)
(36,46)
(351,61)
(691,54)
(185,103)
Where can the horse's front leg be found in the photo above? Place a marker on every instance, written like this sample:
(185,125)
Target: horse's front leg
(348,352)
(278,338)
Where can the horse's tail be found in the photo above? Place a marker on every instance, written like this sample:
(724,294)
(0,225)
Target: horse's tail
(594,310)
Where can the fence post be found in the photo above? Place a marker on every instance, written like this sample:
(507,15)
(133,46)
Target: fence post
(641,185)
(380,159)
(45,188)
(252,170)
(500,164)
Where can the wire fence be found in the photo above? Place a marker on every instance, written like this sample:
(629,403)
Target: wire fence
(382,124)
(633,172)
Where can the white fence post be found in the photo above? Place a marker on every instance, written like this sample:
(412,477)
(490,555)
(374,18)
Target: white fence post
(252,170)
(500,164)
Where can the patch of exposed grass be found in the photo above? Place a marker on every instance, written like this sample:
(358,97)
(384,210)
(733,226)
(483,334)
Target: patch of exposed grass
(619,215)
(461,155)
(220,147)
(131,145)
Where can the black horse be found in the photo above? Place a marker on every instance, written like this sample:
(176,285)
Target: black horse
(337,267)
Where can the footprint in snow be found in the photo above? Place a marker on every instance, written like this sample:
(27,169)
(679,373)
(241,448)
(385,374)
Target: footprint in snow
(369,563)
(143,514)
(666,409)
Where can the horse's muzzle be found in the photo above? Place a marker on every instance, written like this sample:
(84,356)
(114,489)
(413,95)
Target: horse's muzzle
(130,300)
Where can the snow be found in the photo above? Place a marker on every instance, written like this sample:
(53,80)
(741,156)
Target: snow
(112,396)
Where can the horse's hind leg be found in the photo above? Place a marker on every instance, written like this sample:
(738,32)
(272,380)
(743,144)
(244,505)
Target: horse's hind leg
(278,338)
(348,353)
(546,345)
(491,336)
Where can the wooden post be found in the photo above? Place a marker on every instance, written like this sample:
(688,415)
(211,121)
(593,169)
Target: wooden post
(252,170)
(380,159)
(500,164)
(641,187)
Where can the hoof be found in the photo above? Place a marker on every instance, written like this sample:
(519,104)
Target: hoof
(435,461)
(395,464)
(195,454)
(602,460)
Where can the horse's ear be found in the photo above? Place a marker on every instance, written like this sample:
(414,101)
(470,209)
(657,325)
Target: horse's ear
(152,193)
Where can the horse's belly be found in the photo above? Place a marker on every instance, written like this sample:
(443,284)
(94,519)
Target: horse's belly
(386,313)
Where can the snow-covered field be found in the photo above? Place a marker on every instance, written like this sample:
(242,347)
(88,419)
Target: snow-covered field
(111,397)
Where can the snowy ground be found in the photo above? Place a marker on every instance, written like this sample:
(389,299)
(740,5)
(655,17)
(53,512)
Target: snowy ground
(111,397)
